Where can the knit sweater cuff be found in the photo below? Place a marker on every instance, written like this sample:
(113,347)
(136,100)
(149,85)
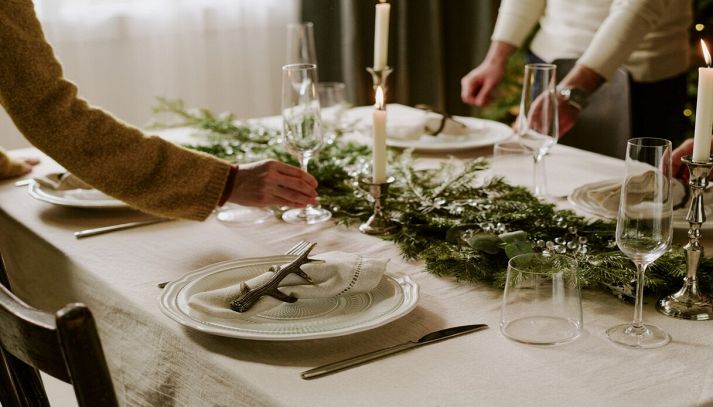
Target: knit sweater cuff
(214,189)
(228,185)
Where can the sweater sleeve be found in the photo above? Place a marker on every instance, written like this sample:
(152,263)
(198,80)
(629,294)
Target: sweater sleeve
(148,173)
(516,19)
(622,31)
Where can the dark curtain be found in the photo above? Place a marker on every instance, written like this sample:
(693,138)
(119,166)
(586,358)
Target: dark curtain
(432,44)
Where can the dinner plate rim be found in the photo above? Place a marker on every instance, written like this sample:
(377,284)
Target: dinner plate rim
(492,126)
(35,190)
(409,291)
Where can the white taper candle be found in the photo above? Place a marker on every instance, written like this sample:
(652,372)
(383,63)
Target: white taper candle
(379,132)
(704,111)
(381,35)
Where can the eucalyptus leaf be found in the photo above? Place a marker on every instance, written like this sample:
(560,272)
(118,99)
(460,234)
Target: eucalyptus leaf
(517,247)
(486,242)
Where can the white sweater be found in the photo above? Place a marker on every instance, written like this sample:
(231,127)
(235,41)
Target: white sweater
(649,37)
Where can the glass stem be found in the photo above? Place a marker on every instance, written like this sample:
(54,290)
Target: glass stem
(539,176)
(638,322)
(305,158)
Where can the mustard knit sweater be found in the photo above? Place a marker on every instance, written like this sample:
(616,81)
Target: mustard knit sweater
(148,173)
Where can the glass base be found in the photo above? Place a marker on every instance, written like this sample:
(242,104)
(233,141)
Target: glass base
(542,330)
(645,337)
(686,306)
(307,215)
(231,213)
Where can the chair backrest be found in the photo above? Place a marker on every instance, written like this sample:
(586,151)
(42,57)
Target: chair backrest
(64,345)
(604,127)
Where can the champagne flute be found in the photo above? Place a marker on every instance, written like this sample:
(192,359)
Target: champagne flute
(537,123)
(301,128)
(644,228)
(300,44)
(333,104)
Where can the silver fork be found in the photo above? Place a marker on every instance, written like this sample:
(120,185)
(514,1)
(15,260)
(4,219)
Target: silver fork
(295,250)
(298,249)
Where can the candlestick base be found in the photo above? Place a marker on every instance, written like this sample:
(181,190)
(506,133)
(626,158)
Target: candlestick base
(688,302)
(378,223)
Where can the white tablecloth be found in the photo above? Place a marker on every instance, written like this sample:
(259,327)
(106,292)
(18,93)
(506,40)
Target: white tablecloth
(154,361)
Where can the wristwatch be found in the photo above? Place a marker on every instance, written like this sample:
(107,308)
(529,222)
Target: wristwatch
(576,97)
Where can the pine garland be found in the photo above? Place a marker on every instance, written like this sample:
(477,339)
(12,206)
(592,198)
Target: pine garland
(457,223)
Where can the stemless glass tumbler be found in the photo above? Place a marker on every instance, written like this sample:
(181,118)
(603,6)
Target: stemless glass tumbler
(301,128)
(541,303)
(537,123)
(644,228)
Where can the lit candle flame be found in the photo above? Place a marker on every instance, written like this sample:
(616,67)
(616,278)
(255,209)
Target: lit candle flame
(706,54)
(382,1)
(379,98)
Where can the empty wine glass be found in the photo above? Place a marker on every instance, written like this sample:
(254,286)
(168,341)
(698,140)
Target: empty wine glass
(333,104)
(301,128)
(644,228)
(537,123)
(300,44)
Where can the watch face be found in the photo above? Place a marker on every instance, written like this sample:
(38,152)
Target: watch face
(574,96)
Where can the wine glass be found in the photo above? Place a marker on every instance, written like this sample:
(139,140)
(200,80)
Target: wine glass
(301,128)
(644,228)
(333,104)
(300,44)
(537,123)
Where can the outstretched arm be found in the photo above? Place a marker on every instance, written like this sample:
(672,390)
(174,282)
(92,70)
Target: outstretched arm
(516,18)
(147,172)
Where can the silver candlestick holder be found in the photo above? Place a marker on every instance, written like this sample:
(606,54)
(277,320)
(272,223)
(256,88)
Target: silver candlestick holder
(379,76)
(378,223)
(688,302)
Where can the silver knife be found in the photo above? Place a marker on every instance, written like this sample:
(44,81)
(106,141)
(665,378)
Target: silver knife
(366,357)
(107,229)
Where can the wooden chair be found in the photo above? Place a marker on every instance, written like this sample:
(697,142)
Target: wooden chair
(604,127)
(64,345)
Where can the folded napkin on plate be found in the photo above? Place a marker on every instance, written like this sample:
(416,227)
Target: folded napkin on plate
(340,274)
(451,127)
(62,181)
(641,188)
(405,123)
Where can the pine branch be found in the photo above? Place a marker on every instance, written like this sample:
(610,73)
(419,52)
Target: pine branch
(452,221)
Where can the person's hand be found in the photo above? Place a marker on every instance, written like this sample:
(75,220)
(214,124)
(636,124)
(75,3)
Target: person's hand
(678,168)
(477,86)
(271,182)
(567,116)
(16,167)
(584,79)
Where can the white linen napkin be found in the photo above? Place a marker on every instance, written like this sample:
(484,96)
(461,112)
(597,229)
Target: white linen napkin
(641,188)
(61,181)
(340,274)
(68,185)
(405,123)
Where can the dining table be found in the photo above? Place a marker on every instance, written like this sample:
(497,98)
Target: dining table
(155,361)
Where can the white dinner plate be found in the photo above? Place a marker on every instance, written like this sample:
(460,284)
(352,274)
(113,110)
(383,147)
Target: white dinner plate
(76,198)
(393,298)
(482,133)
(581,200)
